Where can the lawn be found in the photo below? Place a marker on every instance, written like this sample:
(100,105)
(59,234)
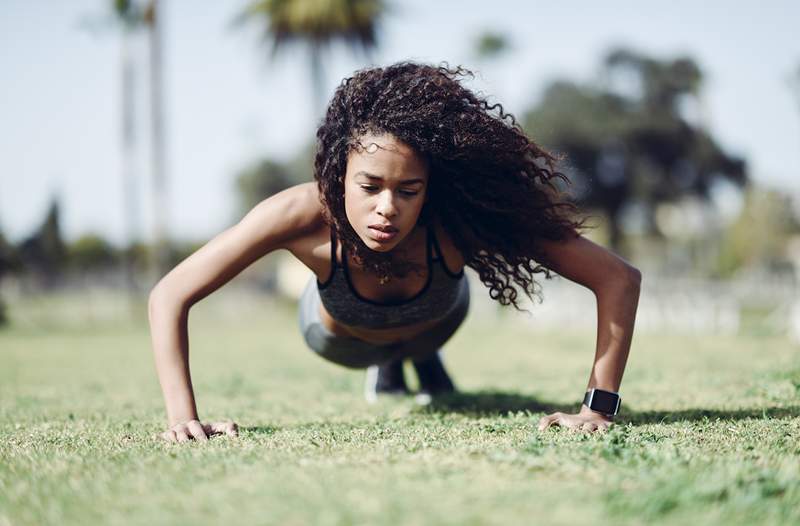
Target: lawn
(710,430)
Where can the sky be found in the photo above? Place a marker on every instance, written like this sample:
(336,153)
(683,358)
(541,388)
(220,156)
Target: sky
(227,104)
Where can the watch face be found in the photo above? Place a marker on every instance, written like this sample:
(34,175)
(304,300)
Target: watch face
(604,402)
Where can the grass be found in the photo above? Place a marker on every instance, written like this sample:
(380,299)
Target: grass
(710,432)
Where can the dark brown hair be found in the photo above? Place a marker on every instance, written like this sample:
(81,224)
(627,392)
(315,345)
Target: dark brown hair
(493,189)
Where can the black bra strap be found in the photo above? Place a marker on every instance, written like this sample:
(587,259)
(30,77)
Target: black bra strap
(440,255)
(321,285)
(333,250)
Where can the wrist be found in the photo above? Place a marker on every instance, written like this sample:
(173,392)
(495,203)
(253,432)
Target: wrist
(586,411)
(602,402)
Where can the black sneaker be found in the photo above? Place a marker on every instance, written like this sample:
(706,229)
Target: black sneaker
(385,379)
(433,379)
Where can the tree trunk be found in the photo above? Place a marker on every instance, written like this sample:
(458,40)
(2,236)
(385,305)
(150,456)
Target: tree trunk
(130,206)
(160,254)
(317,82)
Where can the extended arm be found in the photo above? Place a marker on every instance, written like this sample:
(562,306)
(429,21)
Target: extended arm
(271,225)
(615,285)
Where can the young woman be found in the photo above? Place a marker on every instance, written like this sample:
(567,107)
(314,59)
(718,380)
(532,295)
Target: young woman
(416,178)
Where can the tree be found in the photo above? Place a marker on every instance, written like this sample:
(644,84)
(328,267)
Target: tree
(134,16)
(90,252)
(628,139)
(44,253)
(161,248)
(317,24)
(129,18)
(267,177)
(7,263)
(489,45)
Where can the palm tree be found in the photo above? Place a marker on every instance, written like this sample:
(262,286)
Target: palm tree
(129,20)
(317,24)
(133,16)
(161,256)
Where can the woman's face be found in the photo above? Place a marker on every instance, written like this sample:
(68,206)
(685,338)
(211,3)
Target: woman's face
(384,189)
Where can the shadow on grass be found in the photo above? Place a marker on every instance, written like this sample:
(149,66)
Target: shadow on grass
(699,414)
(492,403)
(497,403)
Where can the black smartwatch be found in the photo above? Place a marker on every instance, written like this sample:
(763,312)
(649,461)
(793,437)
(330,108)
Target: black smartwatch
(601,401)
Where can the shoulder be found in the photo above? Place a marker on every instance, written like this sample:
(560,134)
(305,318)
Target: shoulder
(288,214)
(452,255)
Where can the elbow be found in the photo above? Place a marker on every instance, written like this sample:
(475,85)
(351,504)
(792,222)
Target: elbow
(633,277)
(162,301)
(630,282)
(622,279)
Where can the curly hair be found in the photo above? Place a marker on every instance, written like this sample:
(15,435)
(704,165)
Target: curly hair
(493,189)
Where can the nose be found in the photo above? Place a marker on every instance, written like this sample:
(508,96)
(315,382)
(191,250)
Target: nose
(386,206)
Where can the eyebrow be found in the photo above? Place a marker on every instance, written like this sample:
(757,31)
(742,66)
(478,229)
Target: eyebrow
(405,181)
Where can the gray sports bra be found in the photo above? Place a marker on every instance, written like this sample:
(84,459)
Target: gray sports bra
(434,301)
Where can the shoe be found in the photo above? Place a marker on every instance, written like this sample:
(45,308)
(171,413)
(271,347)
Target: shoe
(385,379)
(433,379)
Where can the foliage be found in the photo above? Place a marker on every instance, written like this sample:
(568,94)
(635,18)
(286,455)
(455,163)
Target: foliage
(490,44)
(630,138)
(708,433)
(44,253)
(9,258)
(759,236)
(90,252)
(318,22)
(261,180)
(266,177)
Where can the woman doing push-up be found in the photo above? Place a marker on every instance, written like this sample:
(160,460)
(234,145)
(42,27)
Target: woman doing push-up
(416,177)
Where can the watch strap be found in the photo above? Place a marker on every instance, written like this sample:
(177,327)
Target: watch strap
(602,401)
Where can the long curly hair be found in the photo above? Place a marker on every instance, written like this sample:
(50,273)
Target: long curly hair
(494,190)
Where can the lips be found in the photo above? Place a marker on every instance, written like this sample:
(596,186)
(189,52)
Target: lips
(383,233)
(384,228)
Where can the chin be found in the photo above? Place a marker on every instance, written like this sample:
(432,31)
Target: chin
(379,247)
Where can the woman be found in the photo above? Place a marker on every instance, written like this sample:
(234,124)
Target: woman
(416,178)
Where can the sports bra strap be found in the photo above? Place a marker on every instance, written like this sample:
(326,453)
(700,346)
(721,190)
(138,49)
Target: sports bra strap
(333,250)
(440,255)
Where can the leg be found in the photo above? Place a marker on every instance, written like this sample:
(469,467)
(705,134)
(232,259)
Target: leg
(425,351)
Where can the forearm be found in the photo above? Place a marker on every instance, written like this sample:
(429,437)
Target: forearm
(169,336)
(617,301)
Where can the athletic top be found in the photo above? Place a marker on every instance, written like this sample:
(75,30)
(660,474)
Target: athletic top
(433,302)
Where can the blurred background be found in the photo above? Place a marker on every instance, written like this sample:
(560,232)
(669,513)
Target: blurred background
(134,131)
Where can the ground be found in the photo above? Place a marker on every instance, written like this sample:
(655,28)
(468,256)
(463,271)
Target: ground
(709,434)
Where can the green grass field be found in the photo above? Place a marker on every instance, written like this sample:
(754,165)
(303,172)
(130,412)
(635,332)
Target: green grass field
(710,432)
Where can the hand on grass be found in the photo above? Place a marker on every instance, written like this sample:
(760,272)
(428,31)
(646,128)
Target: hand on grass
(585,420)
(194,429)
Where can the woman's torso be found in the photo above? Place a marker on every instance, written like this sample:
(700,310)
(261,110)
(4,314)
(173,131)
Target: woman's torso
(314,250)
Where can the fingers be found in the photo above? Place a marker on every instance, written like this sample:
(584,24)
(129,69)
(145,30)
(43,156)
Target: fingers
(602,427)
(549,420)
(197,431)
(227,427)
(573,422)
(194,429)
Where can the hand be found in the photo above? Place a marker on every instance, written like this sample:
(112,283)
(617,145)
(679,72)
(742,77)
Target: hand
(585,420)
(194,429)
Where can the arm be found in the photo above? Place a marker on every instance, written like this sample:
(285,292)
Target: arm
(615,284)
(271,225)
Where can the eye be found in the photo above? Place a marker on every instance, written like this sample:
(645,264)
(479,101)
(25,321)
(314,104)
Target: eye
(409,193)
(369,188)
